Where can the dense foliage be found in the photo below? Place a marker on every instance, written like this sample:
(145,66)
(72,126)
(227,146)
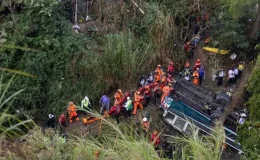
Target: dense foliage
(249,132)
(41,27)
(37,37)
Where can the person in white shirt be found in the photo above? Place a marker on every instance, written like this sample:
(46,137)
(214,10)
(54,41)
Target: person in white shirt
(242,118)
(231,76)
(236,74)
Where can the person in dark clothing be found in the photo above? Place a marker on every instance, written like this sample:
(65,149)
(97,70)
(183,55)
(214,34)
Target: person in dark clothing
(51,121)
(197,29)
(62,123)
(220,75)
(147,94)
(114,112)
(150,78)
(142,81)
(201,74)
(191,53)
(231,76)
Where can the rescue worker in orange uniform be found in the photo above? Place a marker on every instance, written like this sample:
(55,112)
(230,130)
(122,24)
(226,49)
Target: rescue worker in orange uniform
(157,77)
(118,95)
(72,112)
(164,80)
(159,69)
(197,64)
(196,77)
(137,102)
(166,91)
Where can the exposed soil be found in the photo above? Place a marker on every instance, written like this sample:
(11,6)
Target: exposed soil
(237,100)
(223,62)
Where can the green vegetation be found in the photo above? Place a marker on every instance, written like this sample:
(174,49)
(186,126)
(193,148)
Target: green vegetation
(40,41)
(201,147)
(114,142)
(54,65)
(10,124)
(249,133)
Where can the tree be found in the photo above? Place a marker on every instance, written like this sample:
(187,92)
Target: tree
(248,134)
(240,8)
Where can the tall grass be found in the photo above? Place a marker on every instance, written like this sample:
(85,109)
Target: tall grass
(114,142)
(10,124)
(162,33)
(101,69)
(199,147)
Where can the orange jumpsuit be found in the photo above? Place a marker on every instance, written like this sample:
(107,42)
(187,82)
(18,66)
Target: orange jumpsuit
(195,78)
(157,78)
(164,80)
(72,113)
(159,71)
(165,92)
(117,97)
(137,102)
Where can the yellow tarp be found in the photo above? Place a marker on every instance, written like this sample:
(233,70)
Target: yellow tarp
(215,50)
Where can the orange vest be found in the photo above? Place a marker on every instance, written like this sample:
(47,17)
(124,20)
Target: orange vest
(138,97)
(157,78)
(72,108)
(196,74)
(117,96)
(166,90)
(159,71)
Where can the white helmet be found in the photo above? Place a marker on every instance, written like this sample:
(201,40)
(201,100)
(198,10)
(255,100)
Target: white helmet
(128,98)
(145,119)
(86,97)
(51,116)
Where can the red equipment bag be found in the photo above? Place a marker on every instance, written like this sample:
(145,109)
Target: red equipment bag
(124,98)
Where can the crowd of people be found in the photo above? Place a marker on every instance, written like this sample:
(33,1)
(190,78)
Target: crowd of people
(158,84)
(123,104)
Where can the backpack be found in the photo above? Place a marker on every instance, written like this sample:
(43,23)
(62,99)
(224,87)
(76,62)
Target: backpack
(130,107)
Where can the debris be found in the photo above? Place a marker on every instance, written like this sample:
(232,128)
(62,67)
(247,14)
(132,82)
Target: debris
(233,56)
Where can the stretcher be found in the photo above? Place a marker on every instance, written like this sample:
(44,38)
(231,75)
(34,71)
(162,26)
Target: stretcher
(88,120)
(119,107)
(215,50)
(142,89)
(124,98)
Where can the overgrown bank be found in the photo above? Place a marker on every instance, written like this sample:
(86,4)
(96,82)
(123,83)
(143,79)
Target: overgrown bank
(69,66)
(249,132)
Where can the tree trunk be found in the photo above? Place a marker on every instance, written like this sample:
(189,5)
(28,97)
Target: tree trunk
(76,12)
(256,26)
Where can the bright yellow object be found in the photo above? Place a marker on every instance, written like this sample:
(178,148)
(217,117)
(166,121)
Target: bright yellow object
(215,50)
